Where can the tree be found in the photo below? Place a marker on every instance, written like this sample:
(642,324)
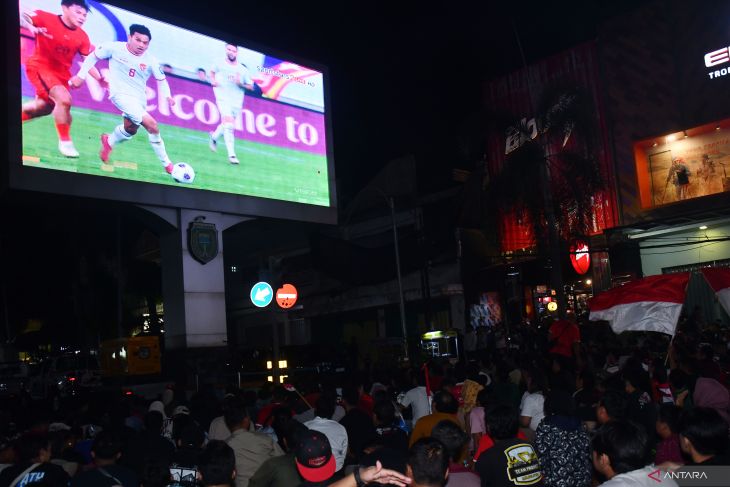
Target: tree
(550,173)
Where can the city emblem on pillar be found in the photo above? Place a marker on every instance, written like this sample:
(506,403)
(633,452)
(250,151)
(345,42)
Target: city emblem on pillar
(202,240)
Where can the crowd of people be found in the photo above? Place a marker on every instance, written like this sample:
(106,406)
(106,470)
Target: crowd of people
(561,411)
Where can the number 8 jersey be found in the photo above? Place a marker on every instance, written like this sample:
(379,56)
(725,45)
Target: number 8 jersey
(128,73)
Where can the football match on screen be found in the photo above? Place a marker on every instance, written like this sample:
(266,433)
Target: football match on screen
(111,93)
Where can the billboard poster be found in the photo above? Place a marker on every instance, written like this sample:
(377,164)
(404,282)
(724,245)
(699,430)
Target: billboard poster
(683,166)
(111,93)
(488,312)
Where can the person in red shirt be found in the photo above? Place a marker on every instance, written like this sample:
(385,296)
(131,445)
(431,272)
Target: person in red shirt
(564,338)
(278,400)
(58,39)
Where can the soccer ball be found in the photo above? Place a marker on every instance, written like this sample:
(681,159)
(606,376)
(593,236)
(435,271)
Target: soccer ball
(183,173)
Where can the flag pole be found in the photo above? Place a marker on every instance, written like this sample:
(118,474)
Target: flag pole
(671,342)
(305,401)
(291,388)
(669,348)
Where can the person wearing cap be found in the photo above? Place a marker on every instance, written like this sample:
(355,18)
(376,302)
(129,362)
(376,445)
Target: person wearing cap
(314,459)
(334,431)
(251,448)
(317,466)
(282,471)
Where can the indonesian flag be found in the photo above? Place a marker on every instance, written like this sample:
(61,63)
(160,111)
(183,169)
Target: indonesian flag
(276,78)
(650,304)
(719,279)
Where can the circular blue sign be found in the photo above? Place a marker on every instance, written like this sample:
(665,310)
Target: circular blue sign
(261,294)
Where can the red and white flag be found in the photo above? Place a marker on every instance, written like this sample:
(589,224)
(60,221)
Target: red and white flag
(719,279)
(649,304)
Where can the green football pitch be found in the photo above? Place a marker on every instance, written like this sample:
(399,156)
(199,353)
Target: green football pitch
(265,171)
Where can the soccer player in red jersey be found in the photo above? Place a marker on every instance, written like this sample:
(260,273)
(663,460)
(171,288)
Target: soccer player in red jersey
(58,39)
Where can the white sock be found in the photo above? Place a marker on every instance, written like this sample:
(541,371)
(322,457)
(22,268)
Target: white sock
(119,135)
(228,138)
(158,145)
(216,134)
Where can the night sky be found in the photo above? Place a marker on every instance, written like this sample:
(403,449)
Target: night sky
(404,75)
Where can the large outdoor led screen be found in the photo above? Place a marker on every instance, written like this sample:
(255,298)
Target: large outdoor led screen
(248,123)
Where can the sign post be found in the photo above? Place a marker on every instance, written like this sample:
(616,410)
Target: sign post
(286,296)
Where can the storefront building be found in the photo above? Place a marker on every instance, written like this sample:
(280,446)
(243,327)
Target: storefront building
(659,82)
(668,102)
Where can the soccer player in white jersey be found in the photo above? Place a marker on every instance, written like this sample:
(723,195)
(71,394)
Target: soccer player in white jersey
(229,78)
(130,66)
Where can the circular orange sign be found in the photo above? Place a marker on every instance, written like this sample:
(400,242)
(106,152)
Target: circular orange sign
(286,296)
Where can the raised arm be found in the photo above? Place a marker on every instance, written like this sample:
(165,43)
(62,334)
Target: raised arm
(366,475)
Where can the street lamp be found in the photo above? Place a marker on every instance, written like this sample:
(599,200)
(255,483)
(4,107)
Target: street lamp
(391,204)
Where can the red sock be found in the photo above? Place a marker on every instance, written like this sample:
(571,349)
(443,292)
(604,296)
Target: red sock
(63,130)
(24,117)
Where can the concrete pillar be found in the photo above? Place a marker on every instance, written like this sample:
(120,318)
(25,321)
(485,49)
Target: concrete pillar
(193,293)
(458,320)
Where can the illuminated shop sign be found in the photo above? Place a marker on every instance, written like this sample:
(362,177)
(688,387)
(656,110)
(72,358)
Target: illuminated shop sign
(580,256)
(717,58)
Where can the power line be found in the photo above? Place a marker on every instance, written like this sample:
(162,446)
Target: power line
(683,250)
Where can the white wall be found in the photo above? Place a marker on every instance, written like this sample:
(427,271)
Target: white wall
(653,260)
